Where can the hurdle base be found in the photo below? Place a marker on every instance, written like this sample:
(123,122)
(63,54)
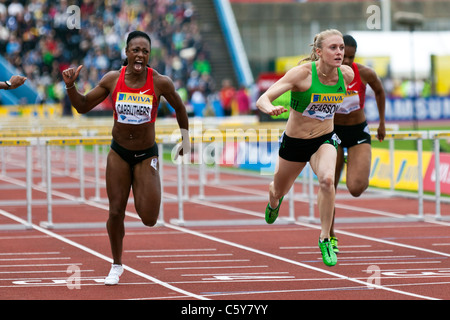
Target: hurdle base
(234,222)
(437,218)
(15,227)
(90,225)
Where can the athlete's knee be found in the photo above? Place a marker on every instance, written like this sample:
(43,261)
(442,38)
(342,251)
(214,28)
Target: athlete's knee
(116,215)
(150,219)
(357,189)
(326,182)
(149,222)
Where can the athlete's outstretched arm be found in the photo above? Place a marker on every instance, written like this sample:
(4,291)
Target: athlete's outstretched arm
(294,79)
(84,103)
(375,83)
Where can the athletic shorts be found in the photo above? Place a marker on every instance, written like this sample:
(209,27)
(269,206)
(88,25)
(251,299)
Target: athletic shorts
(301,150)
(353,135)
(133,157)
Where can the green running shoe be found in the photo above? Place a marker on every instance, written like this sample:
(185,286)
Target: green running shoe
(328,255)
(334,244)
(272,214)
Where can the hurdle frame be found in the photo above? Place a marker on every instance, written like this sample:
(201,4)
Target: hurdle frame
(201,139)
(20,139)
(436,136)
(28,144)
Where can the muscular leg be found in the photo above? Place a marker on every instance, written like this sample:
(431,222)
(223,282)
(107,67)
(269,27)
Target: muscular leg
(337,178)
(285,174)
(358,168)
(147,190)
(118,184)
(323,163)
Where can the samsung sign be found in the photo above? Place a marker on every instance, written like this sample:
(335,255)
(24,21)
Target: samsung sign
(433,108)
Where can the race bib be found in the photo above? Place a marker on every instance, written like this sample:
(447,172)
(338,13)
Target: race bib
(323,105)
(134,108)
(350,103)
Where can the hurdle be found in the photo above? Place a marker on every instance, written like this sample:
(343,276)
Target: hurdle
(392,136)
(436,136)
(218,137)
(27,143)
(419,136)
(182,179)
(95,142)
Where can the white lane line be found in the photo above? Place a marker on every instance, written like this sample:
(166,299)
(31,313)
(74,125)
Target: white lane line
(184,230)
(103,257)
(34,259)
(168,250)
(232,274)
(315,247)
(355,235)
(273,256)
(253,213)
(380,263)
(349,252)
(186,255)
(199,261)
(39,265)
(220,267)
(27,253)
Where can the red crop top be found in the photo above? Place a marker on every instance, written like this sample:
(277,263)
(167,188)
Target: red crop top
(356,94)
(135,106)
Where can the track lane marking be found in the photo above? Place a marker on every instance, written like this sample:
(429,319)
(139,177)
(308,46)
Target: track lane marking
(273,256)
(251,249)
(101,256)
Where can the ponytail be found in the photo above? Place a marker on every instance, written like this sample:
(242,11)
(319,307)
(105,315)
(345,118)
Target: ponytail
(317,44)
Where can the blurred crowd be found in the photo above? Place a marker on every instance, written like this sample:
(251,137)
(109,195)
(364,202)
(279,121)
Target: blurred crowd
(41,39)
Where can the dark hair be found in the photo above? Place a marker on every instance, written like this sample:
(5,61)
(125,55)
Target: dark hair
(136,34)
(350,41)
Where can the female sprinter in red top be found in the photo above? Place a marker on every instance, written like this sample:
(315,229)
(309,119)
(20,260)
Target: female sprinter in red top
(133,159)
(351,126)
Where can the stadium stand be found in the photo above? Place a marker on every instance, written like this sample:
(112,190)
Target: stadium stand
(35,38)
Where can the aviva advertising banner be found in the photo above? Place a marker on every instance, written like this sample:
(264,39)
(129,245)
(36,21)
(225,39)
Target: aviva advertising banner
(263,158)
(405,169)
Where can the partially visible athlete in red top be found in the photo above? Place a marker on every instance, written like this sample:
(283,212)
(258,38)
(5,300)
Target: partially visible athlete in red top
(351,127)
(356,93)
(133,160)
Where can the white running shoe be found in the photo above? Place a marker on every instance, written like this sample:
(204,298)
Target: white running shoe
(114,275)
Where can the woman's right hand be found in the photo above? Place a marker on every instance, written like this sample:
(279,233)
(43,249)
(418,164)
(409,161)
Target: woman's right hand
(70,75)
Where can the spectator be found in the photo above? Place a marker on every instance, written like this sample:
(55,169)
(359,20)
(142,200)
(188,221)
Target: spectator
(243,101)
(40,45)
(227,96)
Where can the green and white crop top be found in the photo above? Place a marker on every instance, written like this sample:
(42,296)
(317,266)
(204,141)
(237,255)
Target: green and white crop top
(319,101)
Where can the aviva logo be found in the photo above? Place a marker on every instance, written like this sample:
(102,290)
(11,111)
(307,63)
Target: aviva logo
(327,97)
(134,98)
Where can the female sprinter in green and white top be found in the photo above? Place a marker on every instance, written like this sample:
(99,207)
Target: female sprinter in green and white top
(317,90)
